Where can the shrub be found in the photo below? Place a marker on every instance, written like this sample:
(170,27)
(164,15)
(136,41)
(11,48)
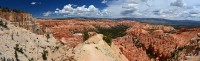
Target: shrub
(108,40)
(48,36)
(3,24)
(12,36)
(86,35)
(44,54)
(18,49)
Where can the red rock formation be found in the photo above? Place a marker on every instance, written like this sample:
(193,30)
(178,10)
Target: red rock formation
(153,38)
(129,49)
(158,39)
(141,42)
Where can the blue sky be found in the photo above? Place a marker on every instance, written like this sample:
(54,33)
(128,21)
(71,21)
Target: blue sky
(168,9)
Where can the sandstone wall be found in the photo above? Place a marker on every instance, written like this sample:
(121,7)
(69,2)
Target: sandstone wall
(21,19)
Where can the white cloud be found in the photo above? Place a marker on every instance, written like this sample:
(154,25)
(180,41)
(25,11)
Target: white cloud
(168,9)
(48,13)
(84,11)
(33,3)
(123,8)
(178,3)
(104,1)
(57,9)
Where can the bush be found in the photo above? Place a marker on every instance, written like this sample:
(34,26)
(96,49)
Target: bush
(44,54)
(86,35)
(3,24)
(48,36)
(108,40)
(12,36)
(18,49)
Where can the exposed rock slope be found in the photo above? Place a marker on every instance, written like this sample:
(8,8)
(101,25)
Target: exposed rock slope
(191,51)
(18,44)
(96,49)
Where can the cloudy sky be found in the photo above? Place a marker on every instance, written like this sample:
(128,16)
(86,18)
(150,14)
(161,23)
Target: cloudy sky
(168,9)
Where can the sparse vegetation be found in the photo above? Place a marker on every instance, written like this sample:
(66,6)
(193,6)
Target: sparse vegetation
(3,24)
(6,59)
(3,59)
(174,54)
(86,35)
(12,36)
(48,36)
(112,32)
(97,48)
(137,43)
(31,59)
(5,9)
(44,54)
(149,52)
(86,30)
(18,49)
(108,40)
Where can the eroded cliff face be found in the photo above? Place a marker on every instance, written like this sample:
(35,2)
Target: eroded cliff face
(153,42)
(21,19)
(190,51)
(131,48)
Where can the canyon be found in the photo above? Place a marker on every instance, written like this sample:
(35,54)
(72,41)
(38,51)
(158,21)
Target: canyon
(26,38)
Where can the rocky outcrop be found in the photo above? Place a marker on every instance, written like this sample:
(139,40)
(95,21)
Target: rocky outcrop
(21,19)
(191,51)
(96,49)
(18,44)
(131,48)
(156,41)
(18,18)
